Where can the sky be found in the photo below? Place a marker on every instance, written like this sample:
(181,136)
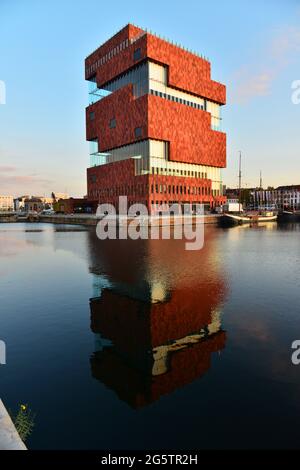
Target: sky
(253,46)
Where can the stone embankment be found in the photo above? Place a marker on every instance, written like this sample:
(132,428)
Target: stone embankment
(9,437)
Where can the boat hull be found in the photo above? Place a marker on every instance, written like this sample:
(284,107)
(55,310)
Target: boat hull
(289,217)
(230,220)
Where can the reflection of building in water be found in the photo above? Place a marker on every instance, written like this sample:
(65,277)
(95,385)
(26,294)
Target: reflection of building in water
(153,349)
(158,323)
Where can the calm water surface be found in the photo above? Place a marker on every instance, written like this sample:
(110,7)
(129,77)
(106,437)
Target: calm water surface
(141,344)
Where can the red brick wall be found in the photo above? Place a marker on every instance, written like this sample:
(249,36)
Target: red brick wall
(183,182)
(119,179)
(188,130)
(117,175)
(68,206)
(121,61)
(186,70)
(128,112)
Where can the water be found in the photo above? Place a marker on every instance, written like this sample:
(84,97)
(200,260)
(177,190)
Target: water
(143,345)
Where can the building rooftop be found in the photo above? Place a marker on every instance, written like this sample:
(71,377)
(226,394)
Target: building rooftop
(148,31)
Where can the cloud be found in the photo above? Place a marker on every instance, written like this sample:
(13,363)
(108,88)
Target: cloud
(256,79)
(7,169)
(285,44)
(10,176)
(249,86)
(19,184)
(27,179)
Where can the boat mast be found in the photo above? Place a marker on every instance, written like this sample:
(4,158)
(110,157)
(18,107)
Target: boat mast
(260,181)
(240,181)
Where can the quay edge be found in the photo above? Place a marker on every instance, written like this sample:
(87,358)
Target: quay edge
(9,437)
(91,220)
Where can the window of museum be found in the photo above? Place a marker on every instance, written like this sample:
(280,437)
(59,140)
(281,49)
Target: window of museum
(112,123)
(138,132)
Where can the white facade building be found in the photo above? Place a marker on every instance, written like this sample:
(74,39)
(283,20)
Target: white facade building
(283,197)
(6,203)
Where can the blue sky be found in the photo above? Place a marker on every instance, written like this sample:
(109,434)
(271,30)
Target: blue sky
(254,48)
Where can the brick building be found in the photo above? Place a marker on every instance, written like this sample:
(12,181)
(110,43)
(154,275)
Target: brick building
(75,206)
(153,123)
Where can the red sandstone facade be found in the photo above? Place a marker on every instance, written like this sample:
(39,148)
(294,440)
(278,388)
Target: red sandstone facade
(162,108)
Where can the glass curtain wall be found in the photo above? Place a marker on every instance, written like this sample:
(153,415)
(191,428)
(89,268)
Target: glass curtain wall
(138,77)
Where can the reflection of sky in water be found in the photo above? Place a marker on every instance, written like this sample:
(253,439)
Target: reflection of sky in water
(249,395)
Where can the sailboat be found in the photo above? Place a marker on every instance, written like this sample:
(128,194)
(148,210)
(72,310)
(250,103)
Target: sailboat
(229,219)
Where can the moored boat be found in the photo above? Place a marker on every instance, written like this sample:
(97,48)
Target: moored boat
(229,220)
(240,218)
(289,216)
